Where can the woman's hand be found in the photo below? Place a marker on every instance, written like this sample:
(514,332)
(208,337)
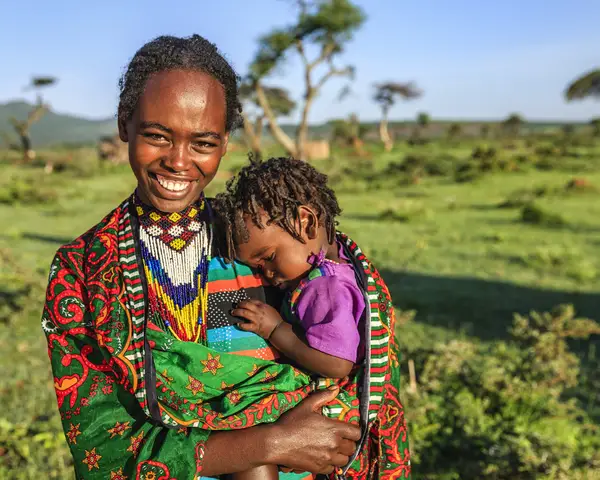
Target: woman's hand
(304,440)
(261,318)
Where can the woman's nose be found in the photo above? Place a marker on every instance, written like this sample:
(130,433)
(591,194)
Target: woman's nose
(179,159)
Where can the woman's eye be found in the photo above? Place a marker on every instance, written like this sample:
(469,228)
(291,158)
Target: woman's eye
(205,144)
(271,257)
(155,136)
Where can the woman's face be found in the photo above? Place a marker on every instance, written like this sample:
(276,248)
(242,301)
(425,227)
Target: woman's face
(176,137)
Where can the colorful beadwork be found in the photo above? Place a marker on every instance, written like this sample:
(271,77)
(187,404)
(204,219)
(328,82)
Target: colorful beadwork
(175,251)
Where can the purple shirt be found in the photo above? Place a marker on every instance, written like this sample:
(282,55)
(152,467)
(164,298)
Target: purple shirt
(330,308)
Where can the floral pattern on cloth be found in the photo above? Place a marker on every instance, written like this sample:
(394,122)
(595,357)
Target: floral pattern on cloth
(125,388)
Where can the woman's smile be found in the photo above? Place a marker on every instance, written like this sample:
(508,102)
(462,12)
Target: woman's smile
(170,187)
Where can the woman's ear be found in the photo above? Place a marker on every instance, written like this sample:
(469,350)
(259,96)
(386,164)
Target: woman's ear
(309,223)
(122,130)
(224,145)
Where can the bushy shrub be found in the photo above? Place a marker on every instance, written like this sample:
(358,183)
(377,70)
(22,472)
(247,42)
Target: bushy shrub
(76,162)
(536,215)
(467,172)
(498,411)
(548,149)
(402,215)
(422,166)
(26,191)
(38,442)
(523,197)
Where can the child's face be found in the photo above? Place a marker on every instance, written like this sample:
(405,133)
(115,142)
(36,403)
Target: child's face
(281,258)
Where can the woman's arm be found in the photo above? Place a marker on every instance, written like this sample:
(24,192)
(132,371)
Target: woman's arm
(109,433)
(302,439)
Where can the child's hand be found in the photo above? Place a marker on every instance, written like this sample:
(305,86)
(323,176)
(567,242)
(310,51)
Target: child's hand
(261,318)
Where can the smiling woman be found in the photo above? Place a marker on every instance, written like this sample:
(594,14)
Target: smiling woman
(177,136)
(152,378)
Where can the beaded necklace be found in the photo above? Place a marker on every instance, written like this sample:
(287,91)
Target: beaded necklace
(175,250)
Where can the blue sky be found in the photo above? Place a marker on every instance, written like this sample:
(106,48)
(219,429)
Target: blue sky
(473,59)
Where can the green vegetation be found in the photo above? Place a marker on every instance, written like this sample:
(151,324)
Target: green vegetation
(466,232)
(53,128)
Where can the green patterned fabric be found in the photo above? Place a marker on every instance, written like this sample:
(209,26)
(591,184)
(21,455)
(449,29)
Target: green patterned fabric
(136,403)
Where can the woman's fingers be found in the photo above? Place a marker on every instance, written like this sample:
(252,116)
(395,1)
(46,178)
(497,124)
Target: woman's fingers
(349,432)
(347,447)
(340,460)
(319,399)
(307,440)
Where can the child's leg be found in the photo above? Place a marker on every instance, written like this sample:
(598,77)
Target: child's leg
(266,472)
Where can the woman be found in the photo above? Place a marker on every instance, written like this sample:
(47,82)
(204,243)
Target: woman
(133,304)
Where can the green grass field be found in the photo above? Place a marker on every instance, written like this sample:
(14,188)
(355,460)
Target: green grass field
(446,250)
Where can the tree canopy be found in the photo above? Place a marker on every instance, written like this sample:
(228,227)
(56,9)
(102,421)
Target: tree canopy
(587,85)
(387,92)
(323,26)
(423,119)
(328,24)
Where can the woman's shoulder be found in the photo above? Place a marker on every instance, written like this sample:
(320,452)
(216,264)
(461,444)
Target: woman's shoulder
(104,233)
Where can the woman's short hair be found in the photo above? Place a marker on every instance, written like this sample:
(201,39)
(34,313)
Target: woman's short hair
(173,53)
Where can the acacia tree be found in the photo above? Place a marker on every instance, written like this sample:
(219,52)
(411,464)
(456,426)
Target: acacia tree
(281,105)
(348,132)
(587,85)
(39,110)
(595,124)
(386,95)
(325,26)
(455,130)
(423,121)
(513,124)
(485,130)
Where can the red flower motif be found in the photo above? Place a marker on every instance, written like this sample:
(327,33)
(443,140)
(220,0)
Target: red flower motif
(92,459)
(73,433)
(136,443)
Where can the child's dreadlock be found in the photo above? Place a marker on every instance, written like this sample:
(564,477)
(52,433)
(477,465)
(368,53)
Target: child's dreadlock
(278,186)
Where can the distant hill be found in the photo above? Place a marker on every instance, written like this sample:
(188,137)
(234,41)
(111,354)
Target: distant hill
(55,128)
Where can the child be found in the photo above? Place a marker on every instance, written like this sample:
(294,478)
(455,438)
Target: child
(280,217)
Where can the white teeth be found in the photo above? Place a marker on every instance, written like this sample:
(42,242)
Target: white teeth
(173,186)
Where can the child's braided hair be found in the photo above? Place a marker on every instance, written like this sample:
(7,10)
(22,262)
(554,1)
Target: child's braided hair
(278,187)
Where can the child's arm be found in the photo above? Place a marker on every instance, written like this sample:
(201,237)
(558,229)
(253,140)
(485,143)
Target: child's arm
(286,341)
(265,321)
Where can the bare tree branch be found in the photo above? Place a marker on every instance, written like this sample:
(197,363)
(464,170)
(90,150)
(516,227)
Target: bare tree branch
(326,53)
(302,53)
(334,72)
